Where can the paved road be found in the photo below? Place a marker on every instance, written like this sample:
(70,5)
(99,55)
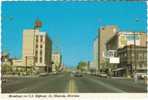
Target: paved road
(64,83)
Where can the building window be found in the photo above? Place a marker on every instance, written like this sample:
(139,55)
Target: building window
(41,38)
(36,53)
(40,59)
(36,38)
(41,46)
(132,54)
(36,58)
(41,52)
(36,46)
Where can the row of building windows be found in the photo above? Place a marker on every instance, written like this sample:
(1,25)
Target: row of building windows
(37,59)
(41,38)
(36,54)
(40,52)
(41,46)
(137,57)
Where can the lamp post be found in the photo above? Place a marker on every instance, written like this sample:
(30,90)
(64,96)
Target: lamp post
(135,60)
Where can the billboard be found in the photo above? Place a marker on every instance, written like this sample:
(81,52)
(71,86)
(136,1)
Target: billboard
(127,38)
(110,53)
(131,37)
(122,40)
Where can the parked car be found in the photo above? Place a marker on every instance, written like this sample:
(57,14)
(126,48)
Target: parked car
(141,75)
(103,75)
(43,74)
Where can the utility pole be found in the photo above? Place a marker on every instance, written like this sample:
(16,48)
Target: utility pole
(135,53)
(135,61)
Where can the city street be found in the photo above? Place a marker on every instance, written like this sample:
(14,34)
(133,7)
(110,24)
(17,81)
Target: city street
(65,83)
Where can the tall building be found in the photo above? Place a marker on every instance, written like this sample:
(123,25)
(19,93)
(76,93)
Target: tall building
(28,55)
(57,61)
(95,55)
(37,48)
(105,33)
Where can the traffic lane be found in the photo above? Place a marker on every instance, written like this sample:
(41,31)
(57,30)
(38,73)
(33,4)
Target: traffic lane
(17,84)
(16,80)
(21,83)
(53,85)
(127,85)
(86,85)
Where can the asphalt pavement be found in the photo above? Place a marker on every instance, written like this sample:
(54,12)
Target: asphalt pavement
(65,83)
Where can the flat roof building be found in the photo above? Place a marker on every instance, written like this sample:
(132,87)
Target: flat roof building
(37,48)
(105,33)
(132,58)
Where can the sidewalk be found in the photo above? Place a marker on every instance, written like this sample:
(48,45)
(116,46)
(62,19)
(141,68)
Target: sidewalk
(131,79)
(17,76)
(120,78)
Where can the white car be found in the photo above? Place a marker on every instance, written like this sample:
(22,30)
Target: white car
(141,75)
(103,75)
(43,74)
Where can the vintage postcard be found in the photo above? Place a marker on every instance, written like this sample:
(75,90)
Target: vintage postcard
(63,49)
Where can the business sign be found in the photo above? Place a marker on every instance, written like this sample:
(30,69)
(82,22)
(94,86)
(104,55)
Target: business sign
(122,41)
(110,53)
(131,38)
(114,60)
(128,39)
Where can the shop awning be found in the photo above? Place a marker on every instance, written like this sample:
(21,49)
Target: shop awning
(118,69)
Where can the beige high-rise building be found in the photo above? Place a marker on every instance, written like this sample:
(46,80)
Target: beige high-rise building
(105,33)
(37,48)
(57,61)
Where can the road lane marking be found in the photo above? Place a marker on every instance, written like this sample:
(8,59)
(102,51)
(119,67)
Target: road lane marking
(107,85)
(72,86)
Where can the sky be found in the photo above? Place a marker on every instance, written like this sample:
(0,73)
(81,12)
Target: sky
(72,26)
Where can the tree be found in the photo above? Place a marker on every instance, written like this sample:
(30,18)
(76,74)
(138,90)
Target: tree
(81,66)
(6,69)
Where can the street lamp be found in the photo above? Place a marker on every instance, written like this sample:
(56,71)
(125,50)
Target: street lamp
(135,69)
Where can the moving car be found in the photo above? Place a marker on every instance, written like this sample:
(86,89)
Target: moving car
(77,74)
